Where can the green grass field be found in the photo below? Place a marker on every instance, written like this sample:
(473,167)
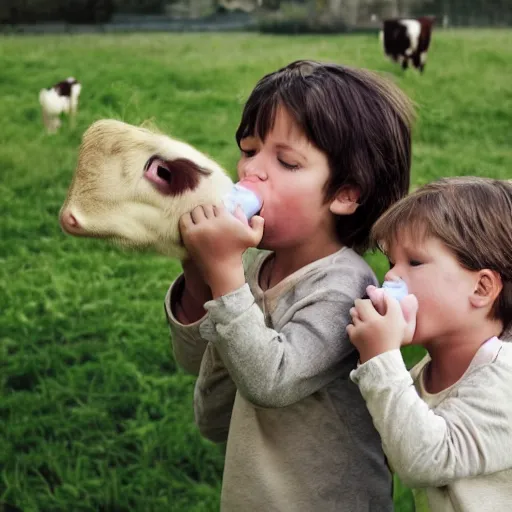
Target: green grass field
(94,414)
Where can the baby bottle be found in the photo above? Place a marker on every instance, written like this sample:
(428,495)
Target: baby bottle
(248,201)
(395,288)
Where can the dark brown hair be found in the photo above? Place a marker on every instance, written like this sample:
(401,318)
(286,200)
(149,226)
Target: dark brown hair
(471,216)
(361,121)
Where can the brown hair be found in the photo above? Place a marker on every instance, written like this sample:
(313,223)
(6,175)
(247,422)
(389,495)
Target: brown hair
(471,216)
(361,121)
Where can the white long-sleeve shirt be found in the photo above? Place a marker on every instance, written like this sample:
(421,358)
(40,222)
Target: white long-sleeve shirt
(456,444)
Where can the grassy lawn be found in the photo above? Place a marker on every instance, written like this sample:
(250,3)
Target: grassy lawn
(94,414)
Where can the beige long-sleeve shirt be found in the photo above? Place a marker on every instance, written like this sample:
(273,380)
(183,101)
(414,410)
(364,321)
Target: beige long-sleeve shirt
(457,444)
(274,381)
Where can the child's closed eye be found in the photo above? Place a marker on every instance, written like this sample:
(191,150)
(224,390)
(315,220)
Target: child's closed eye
(415,263)
(286,165)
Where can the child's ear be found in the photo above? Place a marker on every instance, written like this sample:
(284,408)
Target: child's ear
(345,201)
(487,288)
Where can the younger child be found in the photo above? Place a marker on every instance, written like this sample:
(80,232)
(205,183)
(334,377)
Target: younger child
(446,426)
(327,148)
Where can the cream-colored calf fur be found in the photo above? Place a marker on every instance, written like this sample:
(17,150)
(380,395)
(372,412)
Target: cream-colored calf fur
(131,185)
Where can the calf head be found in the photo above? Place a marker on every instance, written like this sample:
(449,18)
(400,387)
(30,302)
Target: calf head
(131,186)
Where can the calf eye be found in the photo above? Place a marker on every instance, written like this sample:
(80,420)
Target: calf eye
(164,173)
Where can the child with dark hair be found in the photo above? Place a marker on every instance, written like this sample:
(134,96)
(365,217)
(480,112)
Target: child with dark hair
(446,426)
(327,148)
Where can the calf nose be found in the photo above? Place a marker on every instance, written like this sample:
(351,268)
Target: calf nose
(68,222)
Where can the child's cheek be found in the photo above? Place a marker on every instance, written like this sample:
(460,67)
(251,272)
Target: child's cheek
(292,213)
(296,205)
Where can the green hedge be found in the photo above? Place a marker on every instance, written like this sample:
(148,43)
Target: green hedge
(300,27)
(72,11)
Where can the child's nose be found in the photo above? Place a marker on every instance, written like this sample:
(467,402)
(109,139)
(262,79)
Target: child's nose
(391,275)
(255,167)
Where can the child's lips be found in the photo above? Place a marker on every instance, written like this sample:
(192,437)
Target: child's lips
(251,185)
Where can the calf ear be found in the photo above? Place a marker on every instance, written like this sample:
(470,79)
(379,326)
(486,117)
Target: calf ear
(182,175)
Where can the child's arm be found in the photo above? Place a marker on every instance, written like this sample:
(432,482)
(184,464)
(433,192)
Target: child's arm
(278,367)
(188,300)
(214,396)
(468,434)
(214,390)
(188,346)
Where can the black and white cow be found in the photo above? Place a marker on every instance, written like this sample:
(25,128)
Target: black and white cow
(58,99)
(406,40)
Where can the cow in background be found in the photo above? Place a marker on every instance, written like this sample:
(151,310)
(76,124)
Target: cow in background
(58,99)
(406,40)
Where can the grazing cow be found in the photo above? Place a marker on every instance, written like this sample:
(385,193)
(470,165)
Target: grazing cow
(132,185)
(58,99)
(407,40)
